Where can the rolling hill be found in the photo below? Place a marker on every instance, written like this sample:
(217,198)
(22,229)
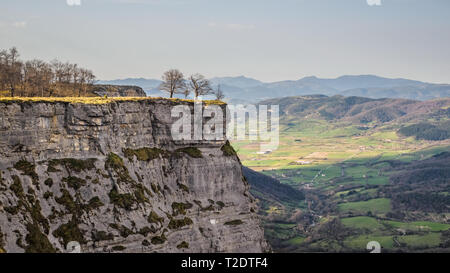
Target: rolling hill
(359,109)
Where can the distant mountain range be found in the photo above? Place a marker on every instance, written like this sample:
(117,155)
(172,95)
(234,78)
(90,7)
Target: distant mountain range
(242,89)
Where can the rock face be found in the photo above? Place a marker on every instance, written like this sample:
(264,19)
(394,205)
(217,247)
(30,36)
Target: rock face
(110,177)
(118,91)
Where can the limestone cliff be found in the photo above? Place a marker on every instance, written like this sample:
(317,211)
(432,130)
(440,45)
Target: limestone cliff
(110,177)
(118,90)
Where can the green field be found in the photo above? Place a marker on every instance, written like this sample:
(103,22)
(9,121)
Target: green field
(376,206)
(362,222)
(346,165)
(419,226)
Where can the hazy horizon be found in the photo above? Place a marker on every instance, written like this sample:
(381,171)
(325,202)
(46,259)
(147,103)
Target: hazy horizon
(293,79)
(265,40)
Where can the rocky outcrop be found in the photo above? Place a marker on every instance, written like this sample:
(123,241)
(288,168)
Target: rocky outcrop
(110,177)
(118,91)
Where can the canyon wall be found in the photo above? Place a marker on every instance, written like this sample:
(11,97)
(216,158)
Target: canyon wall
(110,177)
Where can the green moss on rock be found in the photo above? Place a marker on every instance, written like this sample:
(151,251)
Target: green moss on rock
(125,200)
(70,232)
(28,169)
(183,244)
(140,192)
(191,151)
(98,236)
(145,154)
(13,210)
(17,188)
(2,243)
(72,164)
(94,203)
(180,208)
(228,150)
(179,223)
(158,240)
(123,230)
(67,201)
(48,195)
(113,161)
(154,218)
(116,164)
(37,242)
(183,187)
(74,182)
(145,231)
(48,182)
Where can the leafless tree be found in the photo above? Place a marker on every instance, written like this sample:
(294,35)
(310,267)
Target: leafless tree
(199,85)
(11,69)
(219,93)
(173,82)
(186,92)
(87,78)
(58,69)
(36,77)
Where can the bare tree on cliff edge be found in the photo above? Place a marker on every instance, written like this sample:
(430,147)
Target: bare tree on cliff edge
(199,85)
(173,82)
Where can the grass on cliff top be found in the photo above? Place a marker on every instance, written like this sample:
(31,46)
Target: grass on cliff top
(99,100)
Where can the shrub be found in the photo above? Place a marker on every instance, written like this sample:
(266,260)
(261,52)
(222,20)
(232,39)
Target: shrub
(180,208)
(49,182)
(98,236)
(37,241)
(179,223)
(158,240)
(74,182)
(95,203)
(154,218)
(118,248)
(124,201)
(73,164)
(234,223)
(28,169)
(70,232)
(145,231)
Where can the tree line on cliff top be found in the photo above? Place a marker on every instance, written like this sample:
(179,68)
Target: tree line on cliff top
(36,77)
(197,85)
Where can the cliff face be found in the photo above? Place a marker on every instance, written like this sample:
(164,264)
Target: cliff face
(110,177)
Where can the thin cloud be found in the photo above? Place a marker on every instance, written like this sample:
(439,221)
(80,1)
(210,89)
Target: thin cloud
(231,26)
(240,27)
(20,24)
(17,24)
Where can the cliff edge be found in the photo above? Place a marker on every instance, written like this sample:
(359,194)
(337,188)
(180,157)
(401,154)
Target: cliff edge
(118,90)
(109,177)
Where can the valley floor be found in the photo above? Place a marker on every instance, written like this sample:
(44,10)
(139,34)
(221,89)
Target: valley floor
(361,184)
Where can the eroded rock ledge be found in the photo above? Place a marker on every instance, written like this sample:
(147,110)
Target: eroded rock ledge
(110,177)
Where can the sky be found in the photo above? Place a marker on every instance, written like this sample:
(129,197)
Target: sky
(270,40)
